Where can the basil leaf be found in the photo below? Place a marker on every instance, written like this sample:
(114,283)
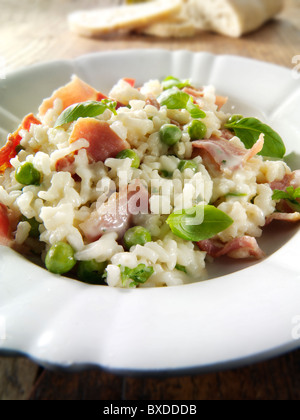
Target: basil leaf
(174,99)
(194,110)
(249,129)
(139,275)
(294,192)
(198,223)
(280,195)
(171,82)
(84,110)
(291,195)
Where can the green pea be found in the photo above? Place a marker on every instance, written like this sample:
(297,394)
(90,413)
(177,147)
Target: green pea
(234,118)
(170,134)
(34,231)
(136,236)
(188,164)
(91,272)
(26,174)
(197,130)
(131,154)
(60,258)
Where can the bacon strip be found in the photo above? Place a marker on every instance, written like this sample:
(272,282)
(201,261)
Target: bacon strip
(220,154)
(5,229)
(116,214)
(226,134)
(66,164)
(221,101)
(130,81)
(239,248)
(289,180)
(74,92)
(8,151)
(284,217)
(286,211)
(195,93)
(103,142)
(257,148)
(101,96)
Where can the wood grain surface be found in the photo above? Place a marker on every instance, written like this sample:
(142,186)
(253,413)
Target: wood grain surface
(34,31)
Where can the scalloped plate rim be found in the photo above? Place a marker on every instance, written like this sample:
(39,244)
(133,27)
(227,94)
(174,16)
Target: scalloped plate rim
(78,361)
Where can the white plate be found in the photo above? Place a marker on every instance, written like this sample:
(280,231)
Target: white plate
(245,314)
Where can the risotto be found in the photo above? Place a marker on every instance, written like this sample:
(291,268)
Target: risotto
(140,187)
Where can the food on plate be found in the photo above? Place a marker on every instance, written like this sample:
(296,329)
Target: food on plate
(142,186)
(178,19)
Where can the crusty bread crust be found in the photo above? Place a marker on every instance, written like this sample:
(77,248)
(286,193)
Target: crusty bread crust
(178,18)
(103,21)
(234,17)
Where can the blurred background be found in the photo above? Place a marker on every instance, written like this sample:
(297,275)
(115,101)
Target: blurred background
(37,30)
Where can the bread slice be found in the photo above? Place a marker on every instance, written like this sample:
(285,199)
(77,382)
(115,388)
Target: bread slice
(175,29)
(103,21)
(232,17)
(177,26)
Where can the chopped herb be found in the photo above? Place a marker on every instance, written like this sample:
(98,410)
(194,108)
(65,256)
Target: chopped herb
(181,268)
(138,275)
(188,164)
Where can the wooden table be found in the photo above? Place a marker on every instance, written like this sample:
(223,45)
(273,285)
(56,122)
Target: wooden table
(34,31)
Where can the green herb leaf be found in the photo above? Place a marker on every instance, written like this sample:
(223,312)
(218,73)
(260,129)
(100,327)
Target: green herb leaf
(249,129)
(181,268)
(171,82)
(174,99)
(198,223)
(291,195)
(139,275)
(235,195)
(194,110)
(84,110)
